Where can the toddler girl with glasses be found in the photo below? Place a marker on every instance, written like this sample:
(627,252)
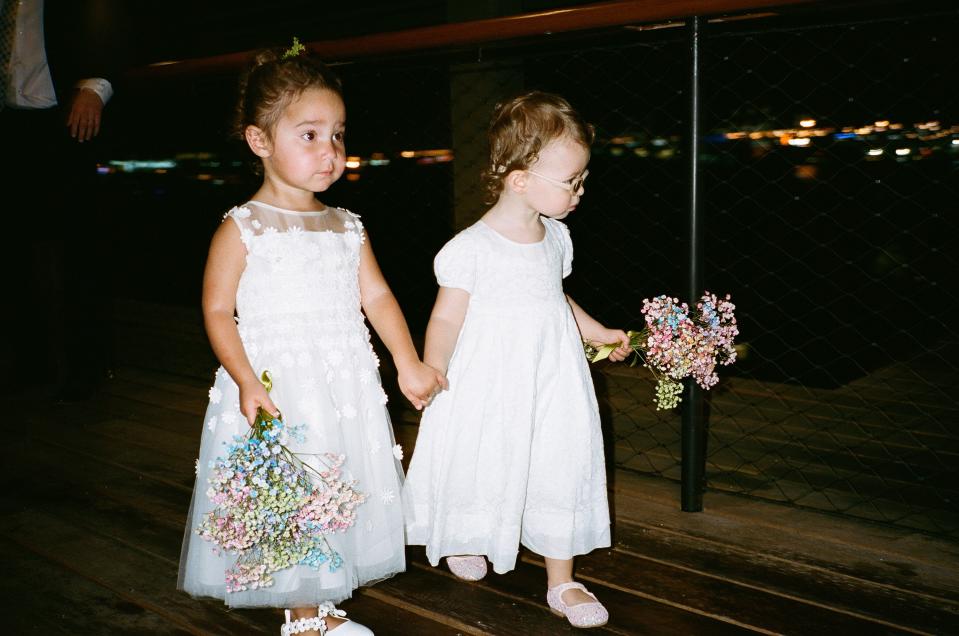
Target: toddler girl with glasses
(512,452)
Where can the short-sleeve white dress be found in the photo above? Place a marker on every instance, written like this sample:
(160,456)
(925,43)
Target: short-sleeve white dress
(299,317)
(513,452)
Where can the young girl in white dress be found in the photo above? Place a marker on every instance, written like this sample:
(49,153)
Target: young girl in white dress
(286,287)
(512,452)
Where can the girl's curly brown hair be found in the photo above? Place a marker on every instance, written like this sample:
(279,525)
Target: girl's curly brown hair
(519,129)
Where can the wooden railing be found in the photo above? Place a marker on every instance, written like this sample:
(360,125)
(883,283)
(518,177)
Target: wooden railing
(464,34)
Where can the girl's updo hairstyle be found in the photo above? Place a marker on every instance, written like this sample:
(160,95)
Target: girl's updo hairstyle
(275,80)
(519,129)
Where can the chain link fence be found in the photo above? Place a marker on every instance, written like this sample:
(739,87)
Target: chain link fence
(831,201)
(830,188)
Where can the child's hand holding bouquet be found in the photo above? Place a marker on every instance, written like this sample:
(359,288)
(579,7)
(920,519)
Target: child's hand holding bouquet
(617,341)
(272,509)
(676,344)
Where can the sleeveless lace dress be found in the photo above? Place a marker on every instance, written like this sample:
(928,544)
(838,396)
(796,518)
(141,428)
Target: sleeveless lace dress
(298,308)
(513,452)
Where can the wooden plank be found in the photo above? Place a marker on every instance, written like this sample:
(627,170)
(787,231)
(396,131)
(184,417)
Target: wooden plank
(854,593)
(475,609)
(185,385)
(899,557)
(722,598)
(888,488)
(44,598)
(895,430)
(138,505)
(404,418)
(186,402)
(148,451)
(377,611)
(773,402)
(916,449)
(865,414)
(791,398)
(161,417)
(605,593)
(143,581)
(134,517)
(886,479)
(823,462)
(630,612)
(903,456)
(798,493)
(794,474)
(138,390)
(188,477)
(866,421)
(132,507)
(647,460)
(380,616)
(800,424)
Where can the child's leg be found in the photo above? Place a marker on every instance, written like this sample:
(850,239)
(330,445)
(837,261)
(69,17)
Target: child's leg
(571,599)
(559,571)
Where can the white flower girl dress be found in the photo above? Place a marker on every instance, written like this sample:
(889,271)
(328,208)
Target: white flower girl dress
(299,316)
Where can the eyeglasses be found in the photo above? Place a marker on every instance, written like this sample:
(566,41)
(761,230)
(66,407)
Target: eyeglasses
(572,186)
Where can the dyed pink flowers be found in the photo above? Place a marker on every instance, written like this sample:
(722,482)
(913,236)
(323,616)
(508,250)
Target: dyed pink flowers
(273,510)
(677,343)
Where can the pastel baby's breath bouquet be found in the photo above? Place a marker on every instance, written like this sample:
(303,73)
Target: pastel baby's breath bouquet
(676,343)
(273,510)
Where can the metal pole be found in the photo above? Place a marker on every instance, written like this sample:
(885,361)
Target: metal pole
(693,422)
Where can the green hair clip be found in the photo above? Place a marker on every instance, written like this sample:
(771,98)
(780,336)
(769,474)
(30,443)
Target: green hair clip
(294,50)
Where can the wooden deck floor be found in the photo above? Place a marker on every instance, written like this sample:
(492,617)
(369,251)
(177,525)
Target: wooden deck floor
(96,495)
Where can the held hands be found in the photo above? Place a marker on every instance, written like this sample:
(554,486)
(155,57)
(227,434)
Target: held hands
(253,395)
(606,336)
(420,383)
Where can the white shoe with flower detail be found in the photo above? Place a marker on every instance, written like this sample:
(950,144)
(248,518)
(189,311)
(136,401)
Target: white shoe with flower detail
(318,623)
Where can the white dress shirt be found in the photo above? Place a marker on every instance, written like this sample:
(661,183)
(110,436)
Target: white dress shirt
(30,84)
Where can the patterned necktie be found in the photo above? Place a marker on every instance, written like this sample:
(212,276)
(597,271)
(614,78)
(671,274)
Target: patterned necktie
(8,27)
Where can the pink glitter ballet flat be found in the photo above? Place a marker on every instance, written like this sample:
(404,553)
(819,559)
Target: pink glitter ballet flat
(582,615)
(468,568)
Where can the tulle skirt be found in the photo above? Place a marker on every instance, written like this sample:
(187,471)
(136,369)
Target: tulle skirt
(338,399)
